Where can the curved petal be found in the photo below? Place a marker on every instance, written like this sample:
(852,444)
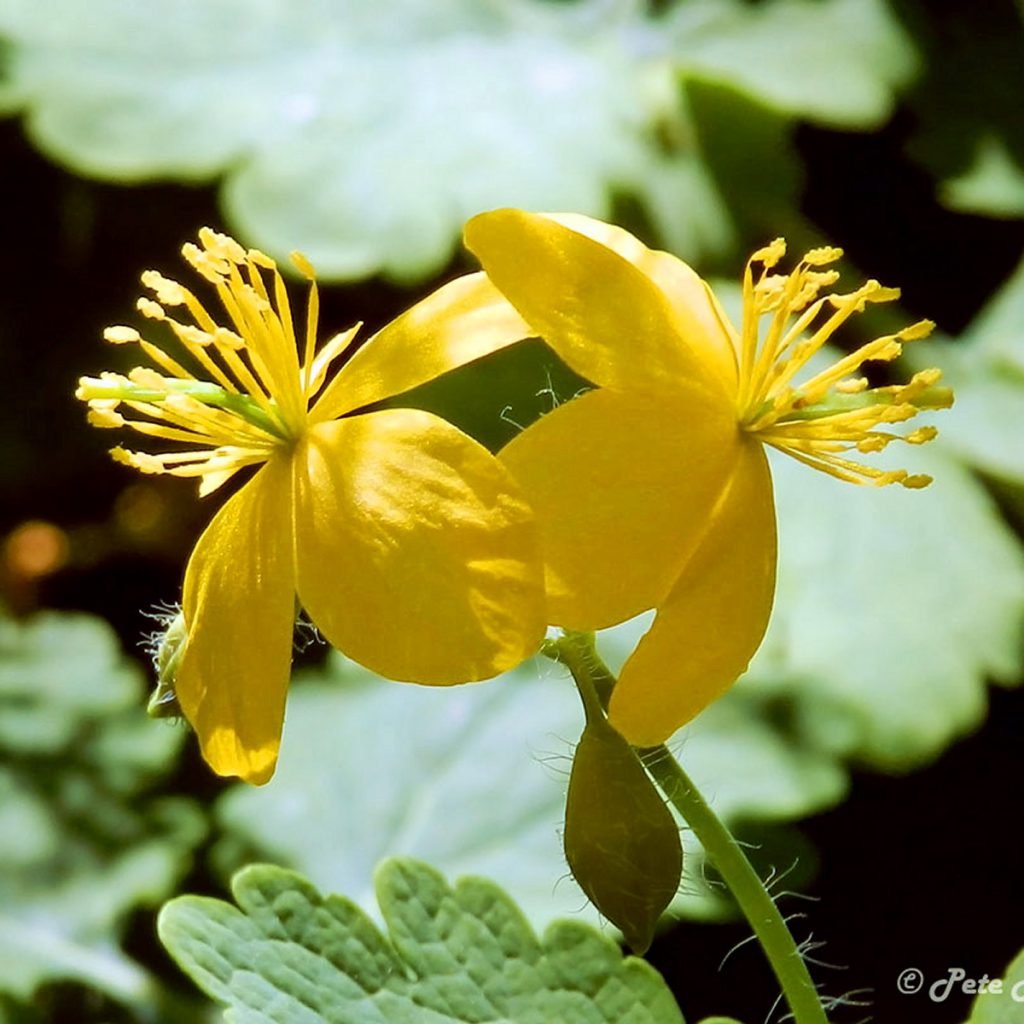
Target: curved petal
(621,484)
(463,320)
(708,629)
(416,556)
(704,325)
(239,605)
(606,318)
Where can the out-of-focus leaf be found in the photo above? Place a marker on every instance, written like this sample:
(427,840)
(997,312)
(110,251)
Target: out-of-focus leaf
(736,133)
(473,779)
(452,955)
(363,134)
(986,369)
(994,184)
(837,61)
(56,671)
(366,134)
(970,91)
(494,398)
(892,608)
(81,844)
(1005,1006)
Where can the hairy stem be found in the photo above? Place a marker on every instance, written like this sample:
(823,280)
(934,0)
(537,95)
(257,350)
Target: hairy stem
(577,652)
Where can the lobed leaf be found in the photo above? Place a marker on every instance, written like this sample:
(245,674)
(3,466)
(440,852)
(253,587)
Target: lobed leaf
(81,841)
(774,52)
(365,135)
(882,665)
(985,366)
(461,954)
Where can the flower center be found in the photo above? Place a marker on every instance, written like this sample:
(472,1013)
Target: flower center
(832,413)
(246,393)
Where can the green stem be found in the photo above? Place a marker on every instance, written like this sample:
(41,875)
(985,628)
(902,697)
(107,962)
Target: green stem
(747,888)
(577,652)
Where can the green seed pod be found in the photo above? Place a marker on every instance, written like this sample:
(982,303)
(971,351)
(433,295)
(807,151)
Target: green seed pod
(164,701)
(621,841)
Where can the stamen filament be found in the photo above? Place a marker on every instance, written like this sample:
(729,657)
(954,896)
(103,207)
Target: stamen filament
(831,413)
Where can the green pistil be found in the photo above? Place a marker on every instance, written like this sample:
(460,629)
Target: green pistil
(932,396)
(200,390)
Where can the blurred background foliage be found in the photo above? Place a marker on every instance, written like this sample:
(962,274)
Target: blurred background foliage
(364,135)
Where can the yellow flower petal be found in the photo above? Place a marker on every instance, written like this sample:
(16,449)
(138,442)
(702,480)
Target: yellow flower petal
(703,323)
(462,321)
(621,487)
(239,606)
(606,318)
(708,629)
(415,555)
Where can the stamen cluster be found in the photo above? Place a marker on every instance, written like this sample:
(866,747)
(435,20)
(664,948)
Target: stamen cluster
(246,394)
(820,420)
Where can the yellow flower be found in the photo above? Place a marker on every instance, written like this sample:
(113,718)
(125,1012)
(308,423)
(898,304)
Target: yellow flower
(406,541)
(653,491)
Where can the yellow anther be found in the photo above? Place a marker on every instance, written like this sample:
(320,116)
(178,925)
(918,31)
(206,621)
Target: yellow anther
(121,335)
(103,416)
(151,309)
(141,461)
(144,377)
(770,254)
(303,265)
(873,443)
(261,259)
(880,293)
(228,339)
(193,335)
(917,331)
(822,256)
(169,292)
(917,481)
(214,270)
(222,246)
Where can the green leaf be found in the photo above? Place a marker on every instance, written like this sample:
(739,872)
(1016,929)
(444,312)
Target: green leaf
(621,841)
(43,710)
(1005,1006)
(992,186)
(451,954)
(969,95)
(472,779)
(985,367)
(364,135)
(774,51)
(81,842)
(765,204)
(494,398)
(881,664)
